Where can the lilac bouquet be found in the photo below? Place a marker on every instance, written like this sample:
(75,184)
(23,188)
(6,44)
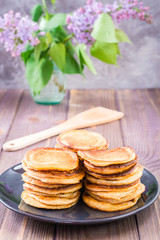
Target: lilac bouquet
(16,32)
(61,39)
(82,21)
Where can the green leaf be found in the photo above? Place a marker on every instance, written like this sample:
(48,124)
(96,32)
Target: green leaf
(49,38)
(25,55)
(58,19)
(84,58)
(36,12)
(53,1)
(59,34)
(42,46)
(38,74)
(118,50)
(103,29)
(121,36)
(71,66)
(70,48)
(106,52)
(57,53)
(42,23)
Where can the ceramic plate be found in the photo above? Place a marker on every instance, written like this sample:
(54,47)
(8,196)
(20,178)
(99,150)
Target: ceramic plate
(11,186)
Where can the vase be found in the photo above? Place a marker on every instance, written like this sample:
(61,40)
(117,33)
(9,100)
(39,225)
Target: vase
(54,91)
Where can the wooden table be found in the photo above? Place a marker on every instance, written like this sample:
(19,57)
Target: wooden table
(140,128)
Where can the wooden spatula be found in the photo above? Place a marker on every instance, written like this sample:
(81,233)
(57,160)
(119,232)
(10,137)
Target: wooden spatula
(92,117)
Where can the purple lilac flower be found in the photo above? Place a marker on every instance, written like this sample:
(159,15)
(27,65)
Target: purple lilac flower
(130,8)
(16,31)
(82,21)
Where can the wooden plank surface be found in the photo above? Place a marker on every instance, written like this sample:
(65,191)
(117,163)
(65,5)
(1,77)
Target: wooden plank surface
(140,128)
(9,101)
(30,118)
(112,131)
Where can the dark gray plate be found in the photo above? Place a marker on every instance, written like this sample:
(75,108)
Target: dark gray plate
(11,188)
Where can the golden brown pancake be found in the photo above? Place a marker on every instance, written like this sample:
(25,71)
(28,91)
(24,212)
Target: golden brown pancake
(110,169)
(54,200)
(53,176)
(53,191)
(26,178)
(119,197)
(108,157)
(81,140)
(33,202)
(134,176)
(115,193)
(51,159)
(108,207)
(50,174)
(59,146)
(51,180)
(60,195)
(112,177)
(105,188)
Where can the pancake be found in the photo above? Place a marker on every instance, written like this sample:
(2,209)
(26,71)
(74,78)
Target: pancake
(115,198)
(54,200)
(50,174)
(114,194)
(52,191)
(53,176)
(53,180)
(26,178)
(108,207)
(126,180)
(51,159)
(116,176)
(105,188)
(110,169)
(59,146)
(33,202)
(108,157)
(81,140)
(61,195)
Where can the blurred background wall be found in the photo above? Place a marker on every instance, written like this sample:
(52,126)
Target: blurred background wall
(139,66)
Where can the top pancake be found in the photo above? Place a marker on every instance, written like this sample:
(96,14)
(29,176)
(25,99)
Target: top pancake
(108,157)
(51,159)
(81,140)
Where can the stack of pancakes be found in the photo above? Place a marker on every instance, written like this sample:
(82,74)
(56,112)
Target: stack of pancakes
(53,178)
(112,178)
(81,140)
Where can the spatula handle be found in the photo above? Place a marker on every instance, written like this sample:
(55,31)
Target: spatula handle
(22,142)
(88,118)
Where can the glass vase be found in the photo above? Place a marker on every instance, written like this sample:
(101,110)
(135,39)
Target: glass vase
(54,91)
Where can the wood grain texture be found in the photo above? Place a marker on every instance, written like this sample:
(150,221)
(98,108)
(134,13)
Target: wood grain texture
(29,118)
(9,101)
(81,100)
(140,129)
